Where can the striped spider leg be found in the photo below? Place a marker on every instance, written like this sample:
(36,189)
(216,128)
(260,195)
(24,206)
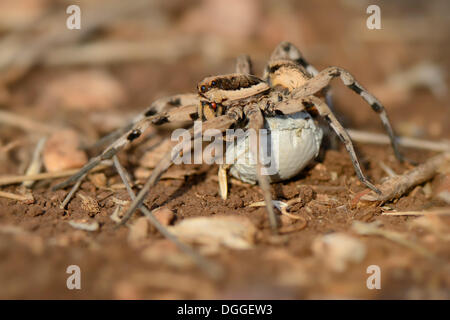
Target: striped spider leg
(158,106)
(323,79)
(183,113)
(221,123)
(176,112)
(222,102)
(302,97)
(209,267)
(317,105)
(256,122)
(243,66)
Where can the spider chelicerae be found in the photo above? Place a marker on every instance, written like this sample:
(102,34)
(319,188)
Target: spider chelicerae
(289,85)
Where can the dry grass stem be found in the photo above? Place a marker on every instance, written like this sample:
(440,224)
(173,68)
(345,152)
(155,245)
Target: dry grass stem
(440,211)
(35,166)
(27,197)
(6,180)
(376,138)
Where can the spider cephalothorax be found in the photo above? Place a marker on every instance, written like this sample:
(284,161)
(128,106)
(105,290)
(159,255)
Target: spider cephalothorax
(289,86)
(221,92)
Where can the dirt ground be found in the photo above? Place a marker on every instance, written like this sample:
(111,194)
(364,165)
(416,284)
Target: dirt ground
(37,243)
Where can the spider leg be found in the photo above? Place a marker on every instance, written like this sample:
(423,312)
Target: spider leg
(256,122)
(323,79)
(244,64)
(287,51)
(184,113)
(324,110)
(210,268)
(158,106)
(220,123)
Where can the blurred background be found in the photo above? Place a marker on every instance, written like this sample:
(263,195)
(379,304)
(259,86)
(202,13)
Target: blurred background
(140,50)
(81,84)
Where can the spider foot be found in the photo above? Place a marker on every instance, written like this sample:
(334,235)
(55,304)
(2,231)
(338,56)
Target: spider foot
(372,187)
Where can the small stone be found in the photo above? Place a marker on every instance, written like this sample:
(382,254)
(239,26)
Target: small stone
(138,231)
(84,225)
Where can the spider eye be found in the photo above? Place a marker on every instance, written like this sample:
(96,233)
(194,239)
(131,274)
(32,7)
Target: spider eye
(213,105)
(213,83)
(203,88)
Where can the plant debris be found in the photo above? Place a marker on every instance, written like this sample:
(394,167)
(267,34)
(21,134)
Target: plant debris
(229,231)
(84,225)
(395,187)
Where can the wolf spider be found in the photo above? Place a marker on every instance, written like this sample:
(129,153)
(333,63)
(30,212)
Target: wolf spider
(289,85)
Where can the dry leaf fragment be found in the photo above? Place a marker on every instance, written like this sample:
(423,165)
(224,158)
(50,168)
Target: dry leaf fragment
(98,179)
(84,225)
(230,231)
(138,231)
(337,250)
(61,151)
(164,215)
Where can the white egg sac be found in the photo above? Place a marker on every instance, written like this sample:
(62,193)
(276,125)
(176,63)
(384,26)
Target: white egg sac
(287,146)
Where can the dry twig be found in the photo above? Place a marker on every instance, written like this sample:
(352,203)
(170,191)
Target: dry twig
(212,269)
(439,211)
(395,187)
(376,138)
(6,180)
(27,197)
(36,162)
